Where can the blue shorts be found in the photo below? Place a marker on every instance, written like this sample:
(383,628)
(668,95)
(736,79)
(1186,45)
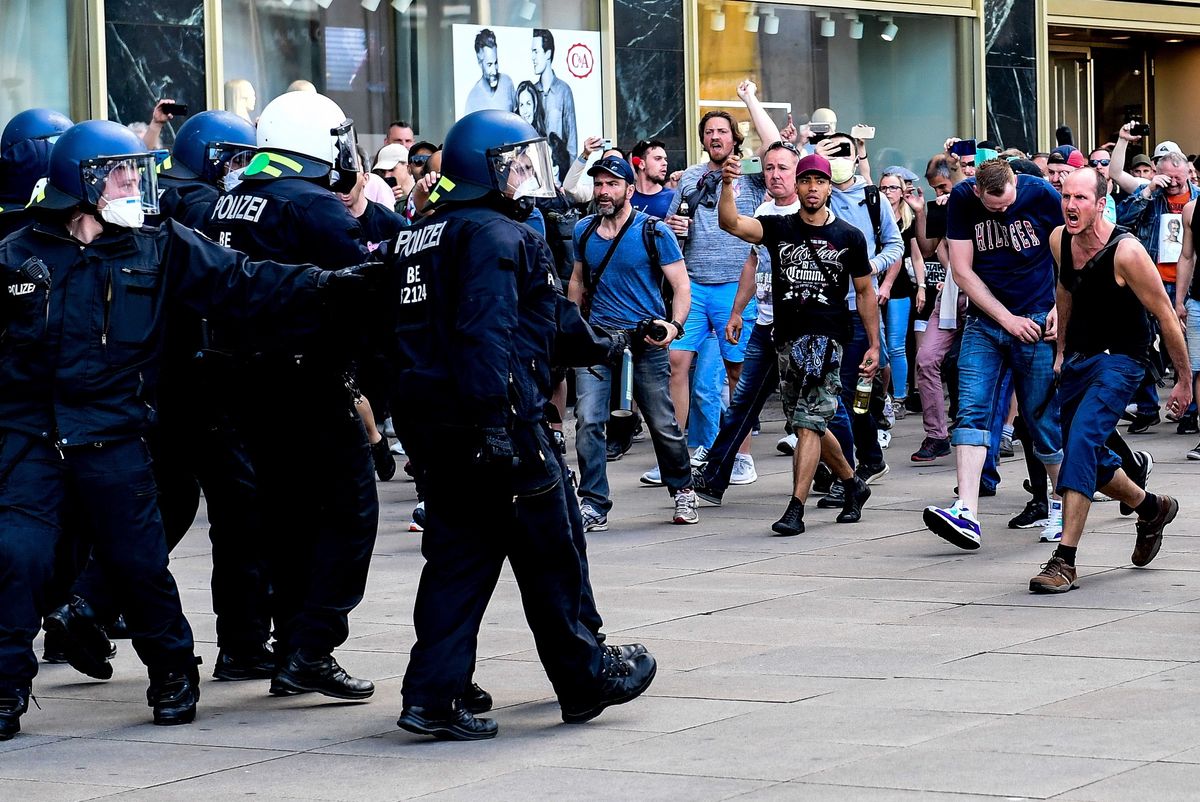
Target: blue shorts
(711,305)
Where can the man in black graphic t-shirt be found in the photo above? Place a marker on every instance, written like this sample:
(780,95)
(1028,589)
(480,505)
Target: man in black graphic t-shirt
(814,256)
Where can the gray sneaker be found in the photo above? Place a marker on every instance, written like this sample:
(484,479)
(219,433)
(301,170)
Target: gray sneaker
(685,507)
(593,519)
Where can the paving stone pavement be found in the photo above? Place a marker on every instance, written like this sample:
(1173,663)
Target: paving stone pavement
(855,662)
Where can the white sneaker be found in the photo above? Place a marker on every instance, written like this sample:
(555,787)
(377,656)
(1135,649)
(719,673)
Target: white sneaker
(1100,498)
(786,445)
(885,438)
(700,457)
(593,519)
(418,518)
(397,449)
(1053,531)
(889,411)
(685,507)
(743,470)
(652,477)
(388,429)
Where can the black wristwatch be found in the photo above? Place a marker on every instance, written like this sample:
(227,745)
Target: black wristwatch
(678,328)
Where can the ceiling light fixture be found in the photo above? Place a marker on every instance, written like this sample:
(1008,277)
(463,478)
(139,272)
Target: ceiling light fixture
(890,30)
(324,3)
(828,26)
(370,5)
(717,20)
(856,26)
(402,6)
(751,21)
(527,10)
(770,23)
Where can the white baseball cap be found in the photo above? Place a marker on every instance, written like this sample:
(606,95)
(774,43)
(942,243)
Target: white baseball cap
(1165,147)
(390,156)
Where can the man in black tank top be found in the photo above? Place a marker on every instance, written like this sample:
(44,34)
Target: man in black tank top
(1106,286)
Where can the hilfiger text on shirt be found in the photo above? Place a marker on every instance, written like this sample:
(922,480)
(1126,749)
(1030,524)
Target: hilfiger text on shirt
(993,235)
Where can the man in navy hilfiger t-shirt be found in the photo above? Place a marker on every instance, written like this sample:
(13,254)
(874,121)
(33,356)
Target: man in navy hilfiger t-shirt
(999,227)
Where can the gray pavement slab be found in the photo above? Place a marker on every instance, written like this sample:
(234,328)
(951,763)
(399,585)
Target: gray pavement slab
(870,662)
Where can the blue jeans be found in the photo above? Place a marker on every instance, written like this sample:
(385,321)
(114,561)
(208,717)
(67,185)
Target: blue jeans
(708,382)
(990,478)
(895,333)
(651,390)
(1093,392)
(1146,395)
(986,350)
(861,436)
(760,378)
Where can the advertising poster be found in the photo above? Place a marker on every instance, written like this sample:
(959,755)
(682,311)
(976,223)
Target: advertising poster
(551,77)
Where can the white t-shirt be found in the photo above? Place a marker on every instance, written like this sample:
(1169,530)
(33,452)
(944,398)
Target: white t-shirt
(1170,238)
(762,277)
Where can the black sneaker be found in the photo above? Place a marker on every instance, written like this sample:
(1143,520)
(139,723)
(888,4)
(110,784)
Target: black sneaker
(1188,424)
(1035,515)
(871,473)
(476,700)
(835,499)
(452,724)
(626,651)
(621,681)
(1142,423)
(173,695)
(88,648)
(1139,474)
(323,675)
(54,645)
(13,704)
(856,493)
(792,522)
(613,451)
(931,448)
(702,489)
(234,666)
(822,479)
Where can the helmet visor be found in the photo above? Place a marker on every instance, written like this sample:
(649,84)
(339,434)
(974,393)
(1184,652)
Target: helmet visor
(523,170)
(115,177)
(232,155)
(346,155)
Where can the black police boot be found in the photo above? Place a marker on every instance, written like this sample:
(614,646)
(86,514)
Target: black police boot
(476,700)
(303,674)
(54,645)
(627,651)
(385,463)
(857,493)
(88,649)
(173,695)
(451,724)
(792,522)
(13,703)
(255,663)
(117,630)
(621,681)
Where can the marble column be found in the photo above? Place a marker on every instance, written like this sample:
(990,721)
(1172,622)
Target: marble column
(154,50)
(650,75)
(1010,45)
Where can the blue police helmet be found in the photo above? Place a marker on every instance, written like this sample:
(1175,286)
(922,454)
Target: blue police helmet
(33,124)
(83,142)
(191,158)
(479,154)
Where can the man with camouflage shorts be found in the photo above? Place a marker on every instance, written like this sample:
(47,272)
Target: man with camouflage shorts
(814,257)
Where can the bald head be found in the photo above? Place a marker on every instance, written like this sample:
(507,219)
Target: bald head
(1088,181)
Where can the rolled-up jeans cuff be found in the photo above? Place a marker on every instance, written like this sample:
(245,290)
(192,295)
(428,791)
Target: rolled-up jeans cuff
(972,437)
(1052,459)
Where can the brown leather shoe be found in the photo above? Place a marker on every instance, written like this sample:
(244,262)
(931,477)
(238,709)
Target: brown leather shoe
(1056,577)
(1150,531)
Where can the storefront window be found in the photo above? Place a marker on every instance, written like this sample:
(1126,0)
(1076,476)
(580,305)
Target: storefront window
(415,60)
(36,68)
(916,89)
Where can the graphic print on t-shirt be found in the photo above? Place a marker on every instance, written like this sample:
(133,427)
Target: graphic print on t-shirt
(1170,238)
(808,275)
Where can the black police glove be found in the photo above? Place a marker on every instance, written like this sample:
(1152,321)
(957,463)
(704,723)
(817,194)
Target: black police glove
(350,279)
(618,342)
(496,449)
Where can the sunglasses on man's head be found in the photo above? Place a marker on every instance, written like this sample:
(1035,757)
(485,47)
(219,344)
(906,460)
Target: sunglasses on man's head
(419,161)
(1098,162)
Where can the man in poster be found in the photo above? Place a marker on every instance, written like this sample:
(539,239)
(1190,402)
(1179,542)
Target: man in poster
(557,99)
(494,90)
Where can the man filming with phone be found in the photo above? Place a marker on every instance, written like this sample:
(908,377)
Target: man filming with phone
(618,284)
(1154,208)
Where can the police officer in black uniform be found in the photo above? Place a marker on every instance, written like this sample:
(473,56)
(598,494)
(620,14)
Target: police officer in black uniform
(82,315)
(474,295)
(24,157)
(197,443)
(321,501)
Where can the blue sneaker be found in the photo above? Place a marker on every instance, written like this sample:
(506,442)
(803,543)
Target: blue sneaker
(957,525)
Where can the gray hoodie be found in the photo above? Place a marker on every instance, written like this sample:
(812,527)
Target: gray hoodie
(851,206)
